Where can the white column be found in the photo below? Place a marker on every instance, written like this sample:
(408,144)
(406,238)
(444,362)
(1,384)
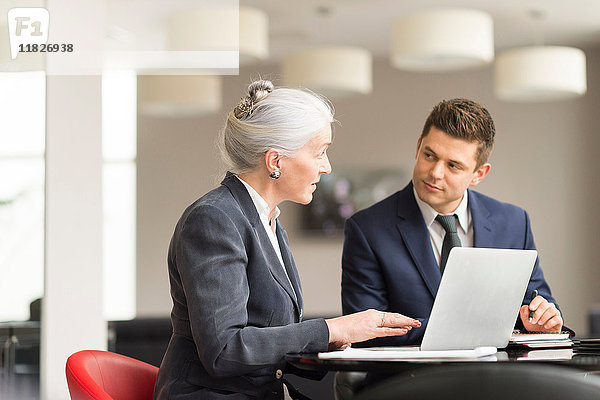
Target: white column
(72,316)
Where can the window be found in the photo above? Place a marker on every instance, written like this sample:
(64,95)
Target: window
(119,193)
(22,147)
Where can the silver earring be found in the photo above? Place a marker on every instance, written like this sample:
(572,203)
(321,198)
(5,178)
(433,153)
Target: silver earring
(275,174)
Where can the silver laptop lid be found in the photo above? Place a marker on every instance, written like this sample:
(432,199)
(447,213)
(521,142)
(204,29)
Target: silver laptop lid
(479,298)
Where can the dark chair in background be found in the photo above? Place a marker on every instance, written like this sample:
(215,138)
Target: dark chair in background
(594,321)
(20,356)
(144,339)
(493,381)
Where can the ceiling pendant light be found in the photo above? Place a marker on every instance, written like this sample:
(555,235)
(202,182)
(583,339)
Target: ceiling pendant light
(444,39)
(221,28)
(254,35)
(540,73)
(332,71)
(179,95)
(210,28)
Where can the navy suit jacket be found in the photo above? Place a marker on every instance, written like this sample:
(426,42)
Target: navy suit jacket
(388,262)
(234,315)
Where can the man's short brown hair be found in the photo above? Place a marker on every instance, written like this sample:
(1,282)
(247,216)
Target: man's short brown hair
(467,120)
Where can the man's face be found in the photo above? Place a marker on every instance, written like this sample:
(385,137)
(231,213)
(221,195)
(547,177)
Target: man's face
(444,168)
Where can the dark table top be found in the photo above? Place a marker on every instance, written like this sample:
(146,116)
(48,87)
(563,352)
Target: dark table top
(583,355)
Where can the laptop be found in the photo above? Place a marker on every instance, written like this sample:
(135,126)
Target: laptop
(479,297)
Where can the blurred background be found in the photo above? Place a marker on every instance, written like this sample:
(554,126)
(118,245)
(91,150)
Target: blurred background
(101,149)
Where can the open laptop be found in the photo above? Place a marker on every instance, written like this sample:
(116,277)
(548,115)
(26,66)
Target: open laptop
(479,298)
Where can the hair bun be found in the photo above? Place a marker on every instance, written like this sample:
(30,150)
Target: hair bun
(259,89)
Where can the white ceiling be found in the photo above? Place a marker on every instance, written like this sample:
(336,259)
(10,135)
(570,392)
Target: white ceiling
(295,24)
(367,23)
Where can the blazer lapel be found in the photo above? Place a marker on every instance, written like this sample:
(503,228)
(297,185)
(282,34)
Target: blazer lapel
(483,233)
(416,238)
(273,261)
(242,196)
(290,267)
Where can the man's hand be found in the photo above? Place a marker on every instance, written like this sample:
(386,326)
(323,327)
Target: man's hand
(546,317)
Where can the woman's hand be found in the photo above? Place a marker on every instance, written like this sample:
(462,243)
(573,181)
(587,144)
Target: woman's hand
(366,325)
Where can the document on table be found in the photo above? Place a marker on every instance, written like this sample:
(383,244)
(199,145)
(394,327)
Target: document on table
(546,344)
(541,339)
(406,354)
(518,337)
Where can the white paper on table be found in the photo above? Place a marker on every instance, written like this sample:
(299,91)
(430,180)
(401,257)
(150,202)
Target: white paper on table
(406,353)
(538,337)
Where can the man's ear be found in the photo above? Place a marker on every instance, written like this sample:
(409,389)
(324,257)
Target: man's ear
(418,146)
(480,173)
(273,160)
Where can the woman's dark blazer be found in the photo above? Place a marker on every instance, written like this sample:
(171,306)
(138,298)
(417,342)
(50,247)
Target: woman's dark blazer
(235,315)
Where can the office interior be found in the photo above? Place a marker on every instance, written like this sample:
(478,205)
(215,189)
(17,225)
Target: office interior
(543,161)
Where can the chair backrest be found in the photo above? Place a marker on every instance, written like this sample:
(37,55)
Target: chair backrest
(490,381)
(102,375)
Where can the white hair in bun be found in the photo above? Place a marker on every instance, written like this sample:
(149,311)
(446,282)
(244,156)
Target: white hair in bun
(271,118)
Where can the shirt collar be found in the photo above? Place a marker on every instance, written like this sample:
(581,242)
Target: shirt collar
(429,214)
(261,204)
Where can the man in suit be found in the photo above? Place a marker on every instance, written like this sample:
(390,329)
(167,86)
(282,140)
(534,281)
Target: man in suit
(394,249)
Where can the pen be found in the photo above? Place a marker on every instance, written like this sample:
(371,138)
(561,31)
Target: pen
(533,296)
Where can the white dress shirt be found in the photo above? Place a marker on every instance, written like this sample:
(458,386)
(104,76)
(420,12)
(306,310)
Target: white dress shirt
(268,223)
(436,230)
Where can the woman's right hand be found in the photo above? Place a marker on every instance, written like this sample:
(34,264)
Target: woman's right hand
(366,325)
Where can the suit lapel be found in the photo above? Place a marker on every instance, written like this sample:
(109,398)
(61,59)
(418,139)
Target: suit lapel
(290,267)
(416,238)
(483,233)
(239,192)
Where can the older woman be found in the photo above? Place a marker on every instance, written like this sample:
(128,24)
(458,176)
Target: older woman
(237,300)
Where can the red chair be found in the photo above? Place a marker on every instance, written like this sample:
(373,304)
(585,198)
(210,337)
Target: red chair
(102,375)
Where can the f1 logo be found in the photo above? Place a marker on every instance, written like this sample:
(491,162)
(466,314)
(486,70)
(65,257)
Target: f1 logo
(27,26)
